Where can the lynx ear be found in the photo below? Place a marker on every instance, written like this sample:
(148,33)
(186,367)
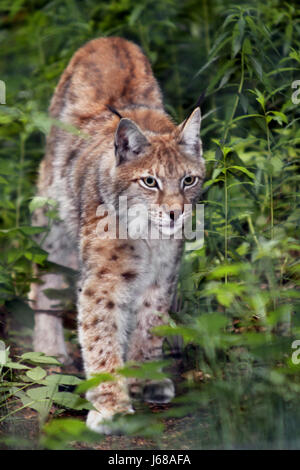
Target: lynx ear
(189,137)
(129,141)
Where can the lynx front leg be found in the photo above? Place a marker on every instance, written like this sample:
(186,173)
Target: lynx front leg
(100,333)
(103,325)
(146,346)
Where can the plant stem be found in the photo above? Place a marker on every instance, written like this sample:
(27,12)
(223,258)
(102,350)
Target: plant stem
(235,105)
(226,218)
(251,227)
(20,178)
(270,183)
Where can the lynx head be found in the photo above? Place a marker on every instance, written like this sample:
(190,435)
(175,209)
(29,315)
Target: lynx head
(161,172)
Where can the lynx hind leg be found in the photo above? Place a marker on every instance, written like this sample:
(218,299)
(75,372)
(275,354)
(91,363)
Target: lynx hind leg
(146,346)
(48,330)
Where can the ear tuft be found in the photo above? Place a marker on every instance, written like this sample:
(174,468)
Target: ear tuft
(129,141)
(189,137)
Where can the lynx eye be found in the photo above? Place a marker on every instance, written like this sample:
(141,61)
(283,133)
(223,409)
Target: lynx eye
(149,181)
(189,180)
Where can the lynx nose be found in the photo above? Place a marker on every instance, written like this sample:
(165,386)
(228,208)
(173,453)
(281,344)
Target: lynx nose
(175,214)
(174,211)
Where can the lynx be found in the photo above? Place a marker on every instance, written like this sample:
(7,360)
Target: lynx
(127,147)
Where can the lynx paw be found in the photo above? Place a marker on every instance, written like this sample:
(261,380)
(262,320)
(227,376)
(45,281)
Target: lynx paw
(161,391)
(100,421)
(135,388)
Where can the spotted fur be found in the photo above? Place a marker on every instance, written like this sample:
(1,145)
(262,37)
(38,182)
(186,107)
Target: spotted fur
(126,286)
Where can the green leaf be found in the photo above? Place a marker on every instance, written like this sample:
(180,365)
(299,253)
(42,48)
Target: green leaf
(70,400)
(278,116)
(40,201)
(225,297)
(149,370)
(39,358)
(187,333)
(38,393)
(15,365)
(61,379)
(36,255)
(21,312)
(58,433)
(36,374)
(230,270)
(237,36)
(260,98)
(243,170)
(69,426)
(32,230)
(135,14)
(257,67)
(94,381)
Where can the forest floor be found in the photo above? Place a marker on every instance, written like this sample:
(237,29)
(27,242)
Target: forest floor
(24,427)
